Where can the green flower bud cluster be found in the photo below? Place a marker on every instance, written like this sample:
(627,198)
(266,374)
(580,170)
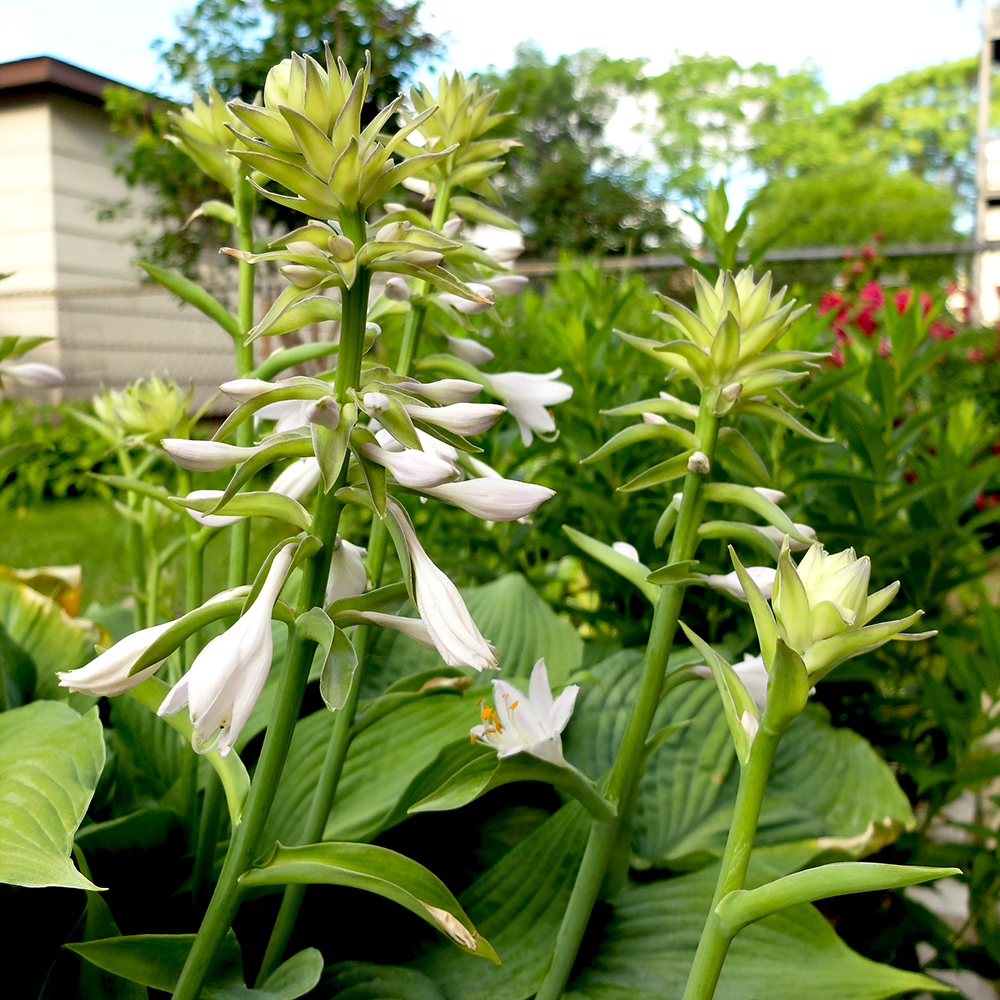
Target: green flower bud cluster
(203,132)
(463,115)
(308,137)
(149,409)
(726,342)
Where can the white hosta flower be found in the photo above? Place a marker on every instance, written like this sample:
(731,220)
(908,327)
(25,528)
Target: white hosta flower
(729,583)
(752,672)
(375,403)
(347,572)
(227,676)
(409,467)
(627,550)
(775,496)
(528,397)
(699,463)
(205,456)
(413,628)
(459,418)
(107,675)
(777,536)
(325,412)
(493,499)
(397,290)
(452,228)
(299,479)
(505,253)
(531,724)
(440,606)
(654,418)
(445,391)
(430,445)
(288,414)
(32,374)
(480,469)
(245,389)
(467,306)
(508,284)
(469,350)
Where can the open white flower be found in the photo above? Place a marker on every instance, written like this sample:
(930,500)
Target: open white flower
(531,724)
(409,467)
(459,418)
(348,577)
(440,606)
(430,445)
(528,397)
(227,676)
(493,499)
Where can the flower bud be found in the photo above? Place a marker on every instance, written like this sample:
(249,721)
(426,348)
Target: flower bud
(397,290)
(325,412)
(375,403)
(469,350)
(459,418)
(342,248)
(32,374)
(699,463)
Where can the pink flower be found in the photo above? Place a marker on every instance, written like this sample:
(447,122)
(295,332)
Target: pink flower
(872,295)
(975,355)
(865,321)
(829,301)
(884,347)
(926,302)
(901,300)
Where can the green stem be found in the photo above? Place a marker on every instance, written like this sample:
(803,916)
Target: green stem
(340,736)
(627,767)
(208,837)
(243,846)
(715,939)
(244,202)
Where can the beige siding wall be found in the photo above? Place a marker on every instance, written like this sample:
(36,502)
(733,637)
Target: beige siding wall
(74,278)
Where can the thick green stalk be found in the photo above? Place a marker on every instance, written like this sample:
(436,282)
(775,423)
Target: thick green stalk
(627,767)
(340,736)
(715,941)
(208,837)
(244,846)
(244,202)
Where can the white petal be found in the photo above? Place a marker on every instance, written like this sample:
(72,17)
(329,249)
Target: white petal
(32,374)
(212,520)
(299,479)
(627,550)
(444,391)
(412,468)
(469,350)
(205,456)
(460,418)
(493,499)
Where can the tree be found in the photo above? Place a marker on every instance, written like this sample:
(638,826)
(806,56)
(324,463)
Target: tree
(567,186)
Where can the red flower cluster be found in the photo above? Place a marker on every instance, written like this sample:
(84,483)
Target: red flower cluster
(985,500)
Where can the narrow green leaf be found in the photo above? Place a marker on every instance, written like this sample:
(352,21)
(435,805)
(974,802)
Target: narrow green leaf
(643,432)
(675,573)
(254,504)
(745,906)
(665,472)
(672,406)
(635,572)
(741,531)
(748,497)
(779,416)
(157,493)
(51,758)
(290,444)
(377,870)
(339,667)
(196,296)
(330,446)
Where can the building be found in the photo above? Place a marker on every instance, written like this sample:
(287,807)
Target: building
(73,278)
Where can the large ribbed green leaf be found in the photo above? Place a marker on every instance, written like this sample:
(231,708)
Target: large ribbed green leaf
(364,981)
(826,784)
(52,639)
(382,761)
(512,616)
(51,758)
(793,955)
(518,905)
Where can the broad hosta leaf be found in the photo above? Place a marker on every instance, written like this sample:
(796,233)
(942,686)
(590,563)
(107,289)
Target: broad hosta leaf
(378,870)
(518,904)
(827,784)
(382,761)
(51,758)
(512,616)
(52,639)
(148,751)
(364,981)
(793,955)
(156,960)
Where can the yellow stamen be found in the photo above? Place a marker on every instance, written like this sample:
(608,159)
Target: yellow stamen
(514,704)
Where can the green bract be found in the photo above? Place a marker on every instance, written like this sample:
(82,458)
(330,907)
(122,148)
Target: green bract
(201,131)
(308,137)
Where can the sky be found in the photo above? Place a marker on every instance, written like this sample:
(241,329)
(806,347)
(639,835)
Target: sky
(855,43)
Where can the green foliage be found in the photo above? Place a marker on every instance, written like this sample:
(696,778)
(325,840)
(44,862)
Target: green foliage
(569,189)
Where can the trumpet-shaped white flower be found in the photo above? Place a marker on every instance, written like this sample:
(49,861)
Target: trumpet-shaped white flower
(459,418)
(444,391)
(347,572)
(287,414)
(493,499)
(409,467)
(469,350)
(32,374)
(729,583)
(205,456)
(430,445)
(440,606)
(528,397)
(531,724)
(296,481)
(107,675)
(227,676)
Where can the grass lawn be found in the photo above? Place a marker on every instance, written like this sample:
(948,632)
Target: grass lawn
(91,532)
